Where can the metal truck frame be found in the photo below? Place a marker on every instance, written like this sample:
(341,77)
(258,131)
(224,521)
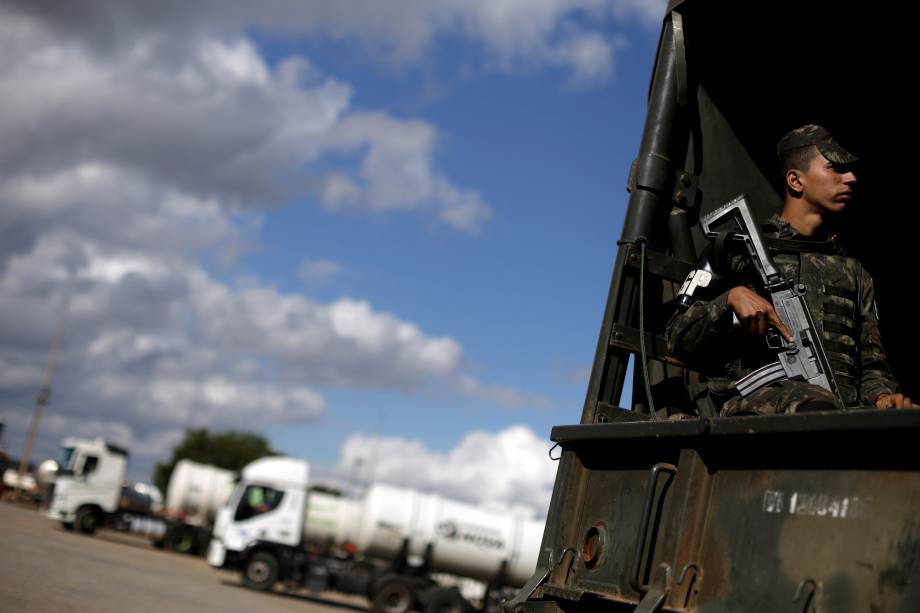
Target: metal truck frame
(658,509)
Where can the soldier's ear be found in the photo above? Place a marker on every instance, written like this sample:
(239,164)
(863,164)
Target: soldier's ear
(794,180)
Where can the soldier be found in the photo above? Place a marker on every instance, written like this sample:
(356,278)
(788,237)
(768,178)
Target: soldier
(819,182)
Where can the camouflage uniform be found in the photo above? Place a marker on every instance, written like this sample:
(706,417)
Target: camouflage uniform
(840,296)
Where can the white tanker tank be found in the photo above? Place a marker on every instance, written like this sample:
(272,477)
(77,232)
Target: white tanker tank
(465,540)
(330,518)
(399,547)
(196,491)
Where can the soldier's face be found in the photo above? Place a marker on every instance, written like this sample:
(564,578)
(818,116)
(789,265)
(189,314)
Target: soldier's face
(826,185)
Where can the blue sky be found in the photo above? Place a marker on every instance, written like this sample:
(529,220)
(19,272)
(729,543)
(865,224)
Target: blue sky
(399,226)
(525,295)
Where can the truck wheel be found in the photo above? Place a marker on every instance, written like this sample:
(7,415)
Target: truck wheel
(181,541)
(447,600)
(261,571)
(87,520)
(356,579)
(394,595)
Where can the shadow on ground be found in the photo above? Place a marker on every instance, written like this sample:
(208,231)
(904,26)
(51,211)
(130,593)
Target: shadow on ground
(303,596)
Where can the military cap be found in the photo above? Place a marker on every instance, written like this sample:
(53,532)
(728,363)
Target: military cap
(818,136)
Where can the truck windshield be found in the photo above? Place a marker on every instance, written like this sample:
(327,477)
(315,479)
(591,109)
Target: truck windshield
(67,459)
(256,500)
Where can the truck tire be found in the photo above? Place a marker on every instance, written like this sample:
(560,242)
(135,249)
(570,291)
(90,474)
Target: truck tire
(182,540)
(87,520)
(261,571)
(447,600)
(393,595)
(357,579)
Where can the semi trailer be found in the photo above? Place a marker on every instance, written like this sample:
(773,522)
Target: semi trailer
(388,545)
(90,492)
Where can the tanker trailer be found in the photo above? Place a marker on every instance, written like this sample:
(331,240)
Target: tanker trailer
(194,494)
(445,536)
(387,546)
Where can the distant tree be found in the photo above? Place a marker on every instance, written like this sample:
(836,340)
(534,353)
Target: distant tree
(230,450)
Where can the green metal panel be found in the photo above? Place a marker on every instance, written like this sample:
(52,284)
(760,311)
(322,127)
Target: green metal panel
(785,513)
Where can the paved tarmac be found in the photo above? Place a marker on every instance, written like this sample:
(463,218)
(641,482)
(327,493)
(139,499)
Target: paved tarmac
(46,569)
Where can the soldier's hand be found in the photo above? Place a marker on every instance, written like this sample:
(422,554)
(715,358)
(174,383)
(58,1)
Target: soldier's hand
(755,312)
(894,401)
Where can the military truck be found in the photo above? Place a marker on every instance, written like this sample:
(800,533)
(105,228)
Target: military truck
(658,506)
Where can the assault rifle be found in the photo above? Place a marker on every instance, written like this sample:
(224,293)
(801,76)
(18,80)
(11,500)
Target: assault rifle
(804,358)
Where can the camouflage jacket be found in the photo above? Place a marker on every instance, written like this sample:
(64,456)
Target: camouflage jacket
(841,298)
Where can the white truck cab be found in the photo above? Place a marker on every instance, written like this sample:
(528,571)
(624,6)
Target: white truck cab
(266,506)
(88,483)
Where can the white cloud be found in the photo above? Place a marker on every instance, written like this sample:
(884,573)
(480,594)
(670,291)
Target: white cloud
(127,306)
(318,271)
(14,375)
(141,139)
(505,396)
(209,121)
(96,200)
(510,33)
(507,468)
(345,342)
(589,55)
(649,12)
(154,345)
(62,426)
(187,401)
(145,446)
